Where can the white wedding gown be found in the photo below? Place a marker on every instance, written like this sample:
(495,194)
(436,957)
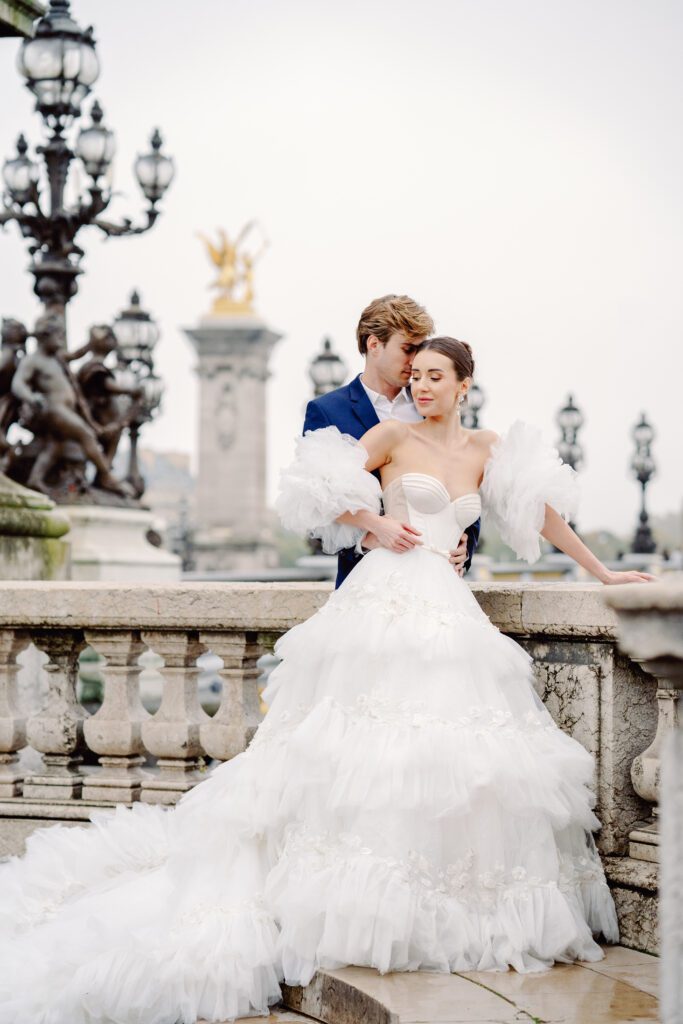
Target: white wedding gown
(407,802)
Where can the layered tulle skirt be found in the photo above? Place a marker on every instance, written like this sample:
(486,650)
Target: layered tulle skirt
(407,803)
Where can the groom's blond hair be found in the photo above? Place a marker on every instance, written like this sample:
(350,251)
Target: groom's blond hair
(393,314)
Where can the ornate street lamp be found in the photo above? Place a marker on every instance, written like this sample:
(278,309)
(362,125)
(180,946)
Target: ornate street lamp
(137,334)
(60,65)
(475,402)
(570,420)
(644,468)
(327,370)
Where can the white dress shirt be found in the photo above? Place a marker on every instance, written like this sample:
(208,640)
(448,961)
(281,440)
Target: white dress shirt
(402,408)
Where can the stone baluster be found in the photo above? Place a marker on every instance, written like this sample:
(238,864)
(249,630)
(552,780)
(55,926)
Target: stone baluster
(172,734)
(12,723)
(57,729)
(235,722)
(646,775)
(115,731)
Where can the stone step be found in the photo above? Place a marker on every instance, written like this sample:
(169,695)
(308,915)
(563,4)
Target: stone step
(621,988)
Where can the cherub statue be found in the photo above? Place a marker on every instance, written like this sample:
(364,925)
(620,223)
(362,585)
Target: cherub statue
(55,411)
(112,405)
(13,338)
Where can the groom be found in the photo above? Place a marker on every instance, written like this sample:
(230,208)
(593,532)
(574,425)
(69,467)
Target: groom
(390,332)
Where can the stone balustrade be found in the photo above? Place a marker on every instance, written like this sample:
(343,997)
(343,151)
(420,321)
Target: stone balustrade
(235,622)
(122,753)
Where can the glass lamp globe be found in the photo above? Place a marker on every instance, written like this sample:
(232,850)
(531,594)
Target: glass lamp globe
(643,433)
(136,332)
(153,392)
(21,175)
(59,63)
(327,371)
(475,398)
(154,170)
(96,145)
(570,418)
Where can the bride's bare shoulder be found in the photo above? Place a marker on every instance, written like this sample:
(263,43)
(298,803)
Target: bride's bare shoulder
(389,432)
(484,439)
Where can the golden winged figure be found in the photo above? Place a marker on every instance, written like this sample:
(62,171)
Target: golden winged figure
(235,261)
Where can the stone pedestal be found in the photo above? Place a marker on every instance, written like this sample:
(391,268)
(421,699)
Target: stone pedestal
(31,535)
(110,544)
(651,632)
(233,529)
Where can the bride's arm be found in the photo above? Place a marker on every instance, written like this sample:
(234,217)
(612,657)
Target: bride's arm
(526,491)
(379,442)
(560,533)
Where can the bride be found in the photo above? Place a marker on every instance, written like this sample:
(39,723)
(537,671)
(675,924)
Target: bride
(407,802)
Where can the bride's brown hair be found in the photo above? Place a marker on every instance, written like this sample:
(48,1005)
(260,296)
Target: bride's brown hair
(459,353)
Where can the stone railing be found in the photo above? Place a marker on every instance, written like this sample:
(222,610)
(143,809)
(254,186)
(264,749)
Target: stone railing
(236,622)
(122,753)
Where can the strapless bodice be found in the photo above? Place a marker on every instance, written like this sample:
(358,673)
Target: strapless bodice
(424,502)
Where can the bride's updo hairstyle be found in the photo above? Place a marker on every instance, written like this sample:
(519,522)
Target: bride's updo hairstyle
(459,353)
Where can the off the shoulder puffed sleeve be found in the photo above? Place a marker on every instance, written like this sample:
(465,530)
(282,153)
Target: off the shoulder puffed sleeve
(521,477)
(326,479)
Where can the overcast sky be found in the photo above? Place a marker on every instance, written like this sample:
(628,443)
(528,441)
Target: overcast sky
(515,165)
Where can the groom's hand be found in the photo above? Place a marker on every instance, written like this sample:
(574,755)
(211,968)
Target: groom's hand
(458,557)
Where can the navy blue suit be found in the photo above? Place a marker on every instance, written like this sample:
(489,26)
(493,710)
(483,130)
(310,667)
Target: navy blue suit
(351,411)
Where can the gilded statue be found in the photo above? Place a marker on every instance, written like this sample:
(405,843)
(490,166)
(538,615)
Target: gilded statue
(235,262)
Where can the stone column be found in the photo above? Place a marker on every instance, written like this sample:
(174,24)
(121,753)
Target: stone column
(172,734)
(115,731)
(57,729)
(12,724)
(651,632)
(233,531)
(238,717)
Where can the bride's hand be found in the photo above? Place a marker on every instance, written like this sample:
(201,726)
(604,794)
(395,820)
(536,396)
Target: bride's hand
(615,578)
(396,536)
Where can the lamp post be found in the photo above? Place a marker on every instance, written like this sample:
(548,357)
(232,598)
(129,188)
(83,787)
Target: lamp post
(137,334)
(476,400)
(644,468)
(327,370)
(60,66)
(570,420)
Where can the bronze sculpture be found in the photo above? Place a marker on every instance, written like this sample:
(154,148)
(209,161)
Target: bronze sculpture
(55,410)
(113,405)
(13,340)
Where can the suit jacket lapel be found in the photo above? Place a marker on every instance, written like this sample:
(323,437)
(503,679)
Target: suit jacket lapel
(362,406)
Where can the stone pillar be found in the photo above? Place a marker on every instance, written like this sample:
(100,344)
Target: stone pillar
(172,734)
(238,717)
(12,723)
(232,523)
(115,731)
(57,729)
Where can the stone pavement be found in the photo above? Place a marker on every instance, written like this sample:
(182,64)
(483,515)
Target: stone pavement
(621,989)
